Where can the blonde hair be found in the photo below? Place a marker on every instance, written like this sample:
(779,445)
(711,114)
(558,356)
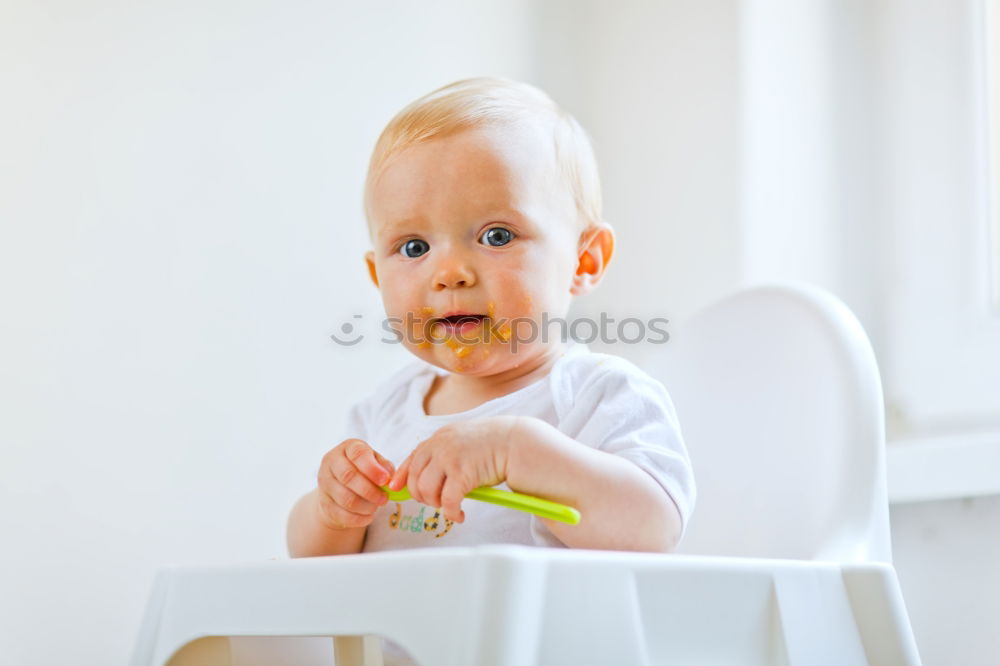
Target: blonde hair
(491,101)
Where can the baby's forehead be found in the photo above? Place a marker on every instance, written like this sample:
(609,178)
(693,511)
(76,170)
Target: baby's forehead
(473,172)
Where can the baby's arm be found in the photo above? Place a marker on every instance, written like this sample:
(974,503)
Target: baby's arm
(333,518)
(622,507)
(309,536)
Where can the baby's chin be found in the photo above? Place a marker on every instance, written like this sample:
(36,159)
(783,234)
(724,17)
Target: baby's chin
(472,359)
(477,359)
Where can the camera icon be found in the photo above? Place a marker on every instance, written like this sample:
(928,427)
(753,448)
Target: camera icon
(347,329)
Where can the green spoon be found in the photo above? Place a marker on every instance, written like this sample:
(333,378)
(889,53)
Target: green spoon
(509,499)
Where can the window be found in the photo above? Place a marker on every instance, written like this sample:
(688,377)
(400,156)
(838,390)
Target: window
(942,356)
(991,32)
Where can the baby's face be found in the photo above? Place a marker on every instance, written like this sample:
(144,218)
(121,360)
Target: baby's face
(475,223)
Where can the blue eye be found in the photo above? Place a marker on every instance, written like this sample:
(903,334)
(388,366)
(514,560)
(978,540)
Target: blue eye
(498,236)
(414,248)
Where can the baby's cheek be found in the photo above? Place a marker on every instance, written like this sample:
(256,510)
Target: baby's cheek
(516,298)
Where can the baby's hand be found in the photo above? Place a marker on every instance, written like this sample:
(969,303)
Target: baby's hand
(456,459)
(349,479)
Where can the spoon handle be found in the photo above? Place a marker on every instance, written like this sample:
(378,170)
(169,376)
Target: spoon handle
(529,503)
(511,500)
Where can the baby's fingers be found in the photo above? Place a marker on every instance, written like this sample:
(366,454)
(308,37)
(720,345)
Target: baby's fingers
(400,478)
(385,463)
(364,459)
(363,504)
(353,481)
(451,500)
(346,472)
(336,516)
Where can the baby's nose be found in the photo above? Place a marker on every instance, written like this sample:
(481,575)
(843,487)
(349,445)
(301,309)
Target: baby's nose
(454,273)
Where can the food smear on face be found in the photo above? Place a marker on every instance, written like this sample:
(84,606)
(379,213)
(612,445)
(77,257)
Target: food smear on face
(461,350)
(426,313)
(459,339)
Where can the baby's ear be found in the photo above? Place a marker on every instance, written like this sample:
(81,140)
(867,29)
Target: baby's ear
(370,260)
(597,244)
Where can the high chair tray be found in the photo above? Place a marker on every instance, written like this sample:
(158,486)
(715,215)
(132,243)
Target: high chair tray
(507,605)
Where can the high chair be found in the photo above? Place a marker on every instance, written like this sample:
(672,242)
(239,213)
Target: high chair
(785,562)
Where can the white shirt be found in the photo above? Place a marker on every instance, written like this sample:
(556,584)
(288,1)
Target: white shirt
(599,400)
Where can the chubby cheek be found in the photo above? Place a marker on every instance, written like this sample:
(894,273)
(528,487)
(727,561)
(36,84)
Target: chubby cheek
(527,296)
(403,309)
(415,329)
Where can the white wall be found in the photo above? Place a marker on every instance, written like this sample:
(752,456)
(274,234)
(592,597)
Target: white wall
(657,86)
(181,231)
(180,187)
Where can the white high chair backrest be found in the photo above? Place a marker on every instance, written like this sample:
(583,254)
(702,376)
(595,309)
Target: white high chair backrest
(780,403)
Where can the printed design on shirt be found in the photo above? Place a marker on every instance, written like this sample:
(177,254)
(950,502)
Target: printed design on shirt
(417,523)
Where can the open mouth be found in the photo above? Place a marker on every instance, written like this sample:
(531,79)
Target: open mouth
(458,320)
(463,323)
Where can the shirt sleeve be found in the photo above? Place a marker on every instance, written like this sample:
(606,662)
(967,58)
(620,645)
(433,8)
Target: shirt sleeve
(625,412)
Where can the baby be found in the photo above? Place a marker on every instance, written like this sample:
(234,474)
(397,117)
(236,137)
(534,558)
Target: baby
(484,213)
